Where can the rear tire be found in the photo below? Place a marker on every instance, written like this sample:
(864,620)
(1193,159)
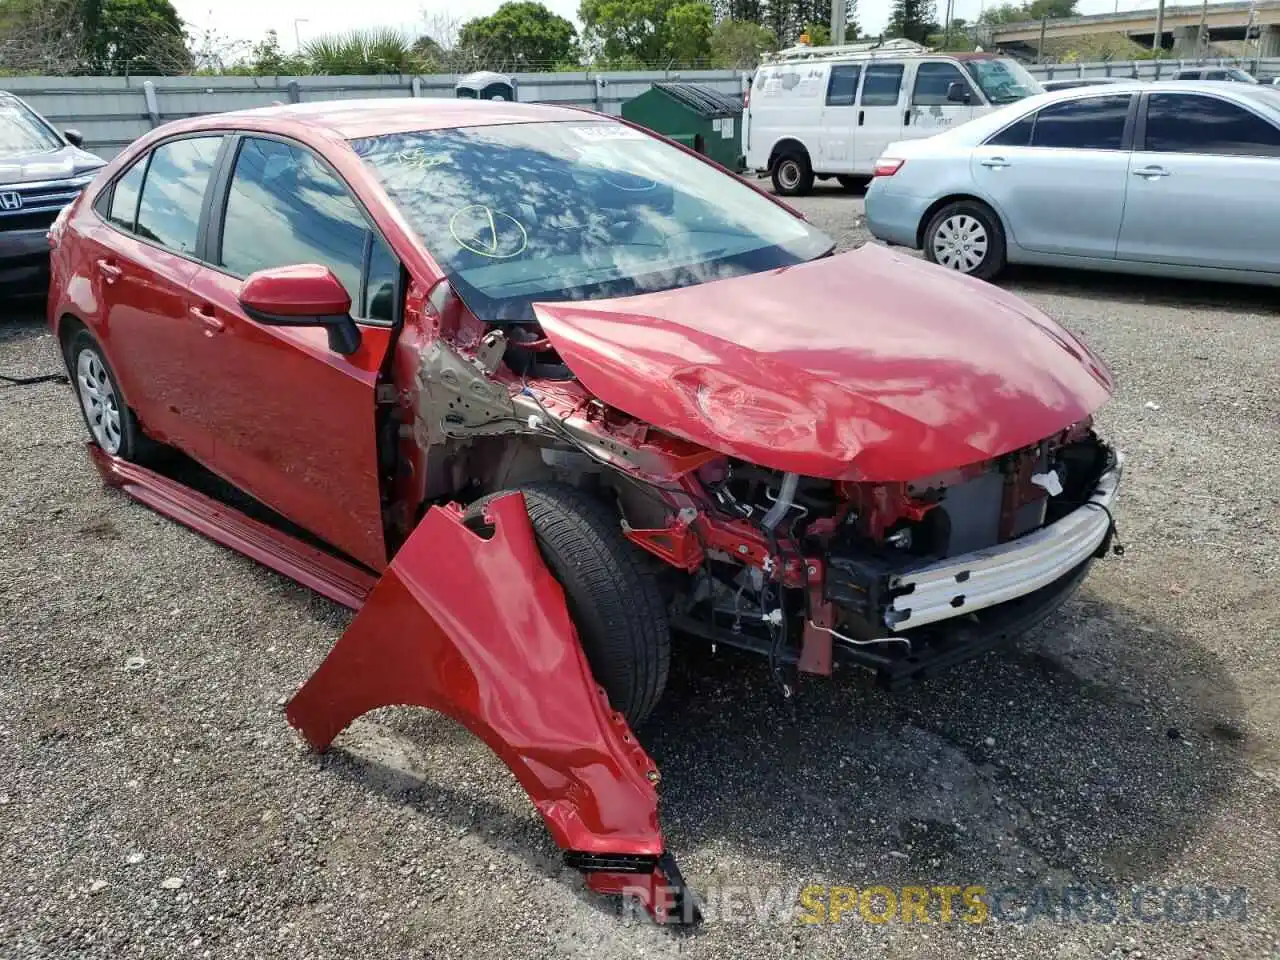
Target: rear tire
(106,413)
(611,590)
(792,175)
(966,236)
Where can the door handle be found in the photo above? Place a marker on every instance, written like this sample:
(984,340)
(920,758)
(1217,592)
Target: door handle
(996,163)
(906,118)
(861,117)
(211,323)
(110,272)
(1151,173)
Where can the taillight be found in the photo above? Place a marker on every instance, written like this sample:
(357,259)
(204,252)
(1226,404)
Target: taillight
(887,167)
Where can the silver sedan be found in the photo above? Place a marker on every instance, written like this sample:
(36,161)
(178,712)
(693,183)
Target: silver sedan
(1178,180)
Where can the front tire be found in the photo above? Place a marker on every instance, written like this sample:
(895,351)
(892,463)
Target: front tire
(111,423)
(967,237)
(792,175)
(611,591)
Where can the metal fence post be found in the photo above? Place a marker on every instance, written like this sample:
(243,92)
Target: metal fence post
(295,91)
(415,87)
(153,105)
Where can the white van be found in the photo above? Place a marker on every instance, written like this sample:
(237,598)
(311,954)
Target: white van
(830,111)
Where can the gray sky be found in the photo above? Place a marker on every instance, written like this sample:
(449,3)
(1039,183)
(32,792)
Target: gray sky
(250,19)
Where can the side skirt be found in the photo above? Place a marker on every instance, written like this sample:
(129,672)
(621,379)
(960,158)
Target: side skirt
(343,583)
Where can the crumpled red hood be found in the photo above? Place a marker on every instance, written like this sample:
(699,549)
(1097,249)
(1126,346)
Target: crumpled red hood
(871,365)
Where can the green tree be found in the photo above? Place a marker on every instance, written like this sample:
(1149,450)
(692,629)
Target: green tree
(356,52)
(1033,10)
(521,33)
(689,27)
(912,19)
(267,59)
(136,36)
(738,44)
(639,32)
(819,34)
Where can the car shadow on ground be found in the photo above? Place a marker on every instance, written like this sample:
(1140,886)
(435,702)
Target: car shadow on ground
(1089,753)
(1131,288)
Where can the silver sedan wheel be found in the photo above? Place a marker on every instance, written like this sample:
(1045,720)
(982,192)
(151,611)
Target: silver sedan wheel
(789,174)
(98,397)
(960,242)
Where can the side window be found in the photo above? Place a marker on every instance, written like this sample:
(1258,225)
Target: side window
(124,196)
(1095,123)
(380,290)
(881,84)
(1016,134)
(842,87)
(169,211)
(932,82)
(285,207)
(1187,123)
(1215,75)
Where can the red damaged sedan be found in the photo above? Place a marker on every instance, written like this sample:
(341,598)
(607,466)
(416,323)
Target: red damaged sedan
(539,395)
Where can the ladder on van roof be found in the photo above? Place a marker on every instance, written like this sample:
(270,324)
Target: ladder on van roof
(891,49)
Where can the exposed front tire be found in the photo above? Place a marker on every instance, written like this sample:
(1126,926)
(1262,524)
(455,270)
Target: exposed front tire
(111,423)
(966,236)
(612,593)
(792,175)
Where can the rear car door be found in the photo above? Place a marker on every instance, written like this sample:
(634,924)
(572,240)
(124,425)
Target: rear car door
(143,244)
(931,111)
(880,114)
(1203,185)
(292,422)
(840,118)
(1058,176)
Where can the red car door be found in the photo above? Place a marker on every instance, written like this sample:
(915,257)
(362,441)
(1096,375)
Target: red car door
(141,246)
(291,421)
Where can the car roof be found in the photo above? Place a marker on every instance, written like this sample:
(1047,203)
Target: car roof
(352,119)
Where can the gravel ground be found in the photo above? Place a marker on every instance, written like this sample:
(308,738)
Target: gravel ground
(155,803)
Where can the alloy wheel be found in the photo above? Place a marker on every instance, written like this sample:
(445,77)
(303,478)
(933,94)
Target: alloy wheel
(98,397)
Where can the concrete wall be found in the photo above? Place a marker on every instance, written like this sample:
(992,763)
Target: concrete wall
(113,111)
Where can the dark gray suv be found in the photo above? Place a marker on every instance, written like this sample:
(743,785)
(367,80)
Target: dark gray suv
(41,171)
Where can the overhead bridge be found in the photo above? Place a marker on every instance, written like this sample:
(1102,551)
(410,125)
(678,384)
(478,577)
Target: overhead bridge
(1181,29)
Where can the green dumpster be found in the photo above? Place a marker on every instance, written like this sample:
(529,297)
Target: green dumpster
(697,116)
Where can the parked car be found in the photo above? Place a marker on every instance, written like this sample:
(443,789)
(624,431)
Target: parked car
(1070,83)
(1140,178)
(1229,74)
(823,112)
(361,313)
(41,171)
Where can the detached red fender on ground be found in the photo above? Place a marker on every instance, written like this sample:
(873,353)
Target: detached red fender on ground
(478,630)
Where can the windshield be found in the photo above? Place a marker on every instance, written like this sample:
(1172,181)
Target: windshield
(1235,73)
(21,131)
(521,213)
(1003,80)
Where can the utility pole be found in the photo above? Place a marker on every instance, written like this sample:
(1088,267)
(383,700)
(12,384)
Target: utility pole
(1044,22)
(838,16)
(946,30)
(1157,42)
(1202,38)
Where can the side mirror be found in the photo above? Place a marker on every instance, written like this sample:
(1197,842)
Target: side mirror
(958,92)
(306,295)
(74,137)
